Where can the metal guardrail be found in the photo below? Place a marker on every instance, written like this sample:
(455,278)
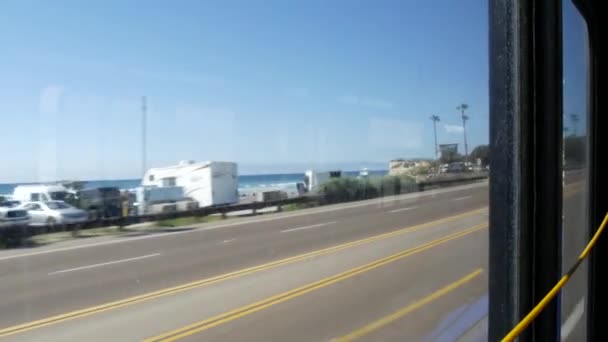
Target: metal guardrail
(450,179)
(16,235)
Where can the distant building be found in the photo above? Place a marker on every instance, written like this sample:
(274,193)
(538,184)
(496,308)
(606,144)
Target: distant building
(407,167)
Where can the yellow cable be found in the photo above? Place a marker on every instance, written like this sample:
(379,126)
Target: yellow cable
(524,323)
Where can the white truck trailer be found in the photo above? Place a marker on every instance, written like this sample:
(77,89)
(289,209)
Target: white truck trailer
(208,183)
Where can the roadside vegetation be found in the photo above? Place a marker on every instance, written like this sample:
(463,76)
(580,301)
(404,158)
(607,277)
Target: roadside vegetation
(17,240)
(298,206)
(44,239)
(188,220)
(13,238)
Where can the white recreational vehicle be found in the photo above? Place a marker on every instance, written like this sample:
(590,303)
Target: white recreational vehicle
(312,178)
(208,183)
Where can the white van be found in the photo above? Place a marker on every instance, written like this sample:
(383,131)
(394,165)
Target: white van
(39,192)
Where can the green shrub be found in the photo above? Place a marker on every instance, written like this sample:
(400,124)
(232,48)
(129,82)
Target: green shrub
(408,184)
(298,206)
(389,186)
(186,221)
(342,190)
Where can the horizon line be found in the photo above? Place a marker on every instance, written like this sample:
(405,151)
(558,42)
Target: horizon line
(131,179)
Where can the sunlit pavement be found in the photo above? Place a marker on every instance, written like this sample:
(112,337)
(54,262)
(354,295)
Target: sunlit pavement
(317,275)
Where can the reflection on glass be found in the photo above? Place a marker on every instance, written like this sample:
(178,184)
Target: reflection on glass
(226,111)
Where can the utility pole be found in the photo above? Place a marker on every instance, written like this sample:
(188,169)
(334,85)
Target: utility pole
(435,119)
(462,108)
(574,119)
(144,108)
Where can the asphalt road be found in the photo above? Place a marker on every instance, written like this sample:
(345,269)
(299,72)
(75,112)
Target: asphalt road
(574,239)
(411,267)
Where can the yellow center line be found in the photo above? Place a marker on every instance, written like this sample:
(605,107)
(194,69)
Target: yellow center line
(223,277)
(232,315)
(408,309)
(571,192)
(573,188)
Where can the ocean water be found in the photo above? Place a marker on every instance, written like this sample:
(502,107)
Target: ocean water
(247,183)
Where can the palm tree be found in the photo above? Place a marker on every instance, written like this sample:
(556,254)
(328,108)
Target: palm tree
(462,108)
(435,119)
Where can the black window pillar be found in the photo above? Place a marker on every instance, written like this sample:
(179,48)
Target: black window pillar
(525,164)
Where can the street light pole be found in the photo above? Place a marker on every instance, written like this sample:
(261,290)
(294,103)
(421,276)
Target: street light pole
(144,109)
(574,119)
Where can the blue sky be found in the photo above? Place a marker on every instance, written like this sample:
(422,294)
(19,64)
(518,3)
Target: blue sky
(274,85)
(575,66)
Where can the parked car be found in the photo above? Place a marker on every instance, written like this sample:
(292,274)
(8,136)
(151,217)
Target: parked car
(11,216)
(13,203)
(103,202)
(53,212)
(456,167)
(8,202)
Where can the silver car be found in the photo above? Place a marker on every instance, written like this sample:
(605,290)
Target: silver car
(53,212)
(10,216)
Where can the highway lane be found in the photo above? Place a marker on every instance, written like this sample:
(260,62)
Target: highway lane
(574,239)
(385,304)
(33,289)
(406,300)
(425,257)
(222,250)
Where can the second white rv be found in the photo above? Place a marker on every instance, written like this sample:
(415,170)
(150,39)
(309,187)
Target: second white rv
(313,179)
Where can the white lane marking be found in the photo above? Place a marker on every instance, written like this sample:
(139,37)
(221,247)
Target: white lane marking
(402,209)
(308,227)
(229,240)
(366,203)
(573,319)
(105,264)
(461,198)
